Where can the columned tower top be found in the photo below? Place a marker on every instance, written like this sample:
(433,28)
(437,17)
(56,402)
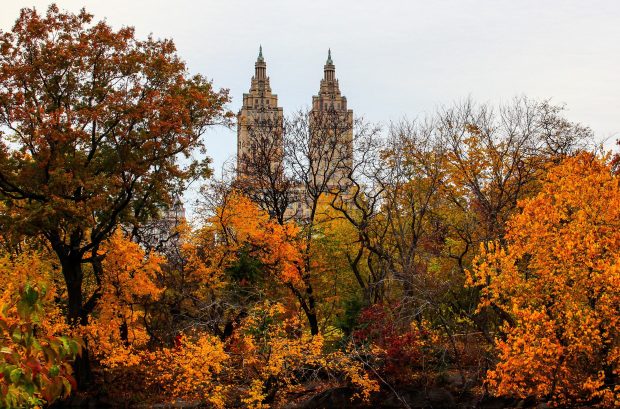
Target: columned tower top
(329,96)
(329,69)
(260,68)
(331,124)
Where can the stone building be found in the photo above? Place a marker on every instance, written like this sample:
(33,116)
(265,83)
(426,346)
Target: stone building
(259,114)
(260,123)
(331,127)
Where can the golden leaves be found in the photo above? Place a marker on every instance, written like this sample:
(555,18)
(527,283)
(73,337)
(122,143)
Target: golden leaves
(129,282)
(557,279)
(190,369)
(273,345)
(241,224)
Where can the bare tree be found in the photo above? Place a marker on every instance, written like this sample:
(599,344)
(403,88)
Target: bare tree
(435,189)
(496,157)
(261,171)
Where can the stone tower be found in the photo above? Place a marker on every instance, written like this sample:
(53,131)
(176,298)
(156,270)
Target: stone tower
(260,115)
(331,127)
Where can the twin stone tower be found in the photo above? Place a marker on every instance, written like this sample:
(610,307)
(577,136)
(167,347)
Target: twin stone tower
(260,107)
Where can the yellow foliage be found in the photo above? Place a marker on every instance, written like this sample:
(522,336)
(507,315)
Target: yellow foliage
(190,370)
(558,280)
(129,280)
(276,350)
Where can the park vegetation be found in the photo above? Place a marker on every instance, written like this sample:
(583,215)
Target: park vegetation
(476,249)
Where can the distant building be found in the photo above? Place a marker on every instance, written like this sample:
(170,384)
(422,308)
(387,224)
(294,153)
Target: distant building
(259,110)
(330,130)
(161,234)
(330,108)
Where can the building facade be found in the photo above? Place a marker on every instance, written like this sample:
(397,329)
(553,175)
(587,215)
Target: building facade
(329,148)
(331,129)
(259,117)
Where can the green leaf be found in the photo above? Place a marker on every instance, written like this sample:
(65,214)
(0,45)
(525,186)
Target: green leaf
(36,344)
(54,370)
(65,343)
(15,375)
(6,370)
(29,388)
(74,348)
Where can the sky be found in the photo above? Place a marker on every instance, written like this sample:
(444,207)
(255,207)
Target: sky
(393,59)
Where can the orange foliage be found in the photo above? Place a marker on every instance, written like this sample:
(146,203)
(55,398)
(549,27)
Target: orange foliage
(269,355)
(276,354)
(241,223)
(557,281)
(129,282)
(197,261)
(189,370)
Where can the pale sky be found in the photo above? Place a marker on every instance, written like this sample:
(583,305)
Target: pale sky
(393,58)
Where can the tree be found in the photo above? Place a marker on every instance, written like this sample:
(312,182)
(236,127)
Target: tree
(263,175)
(241,229)
(319,149)
(434,190)
(35,361)
(129,285)
(556,281)
(92,124)
(195,368)
(193,294)
(274,354)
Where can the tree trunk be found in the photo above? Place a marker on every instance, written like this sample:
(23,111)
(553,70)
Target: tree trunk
(72,272)
(311,312)
(308,306)
(314,323)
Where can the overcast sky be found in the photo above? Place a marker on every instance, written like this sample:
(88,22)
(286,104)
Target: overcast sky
(393,58)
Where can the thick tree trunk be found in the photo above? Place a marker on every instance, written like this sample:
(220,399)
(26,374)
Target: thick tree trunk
(72,272)
(314,323)
(311,312)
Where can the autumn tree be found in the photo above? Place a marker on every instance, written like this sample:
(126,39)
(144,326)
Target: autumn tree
(35,364)
(434,189)
(496,155)
(36,346)
(263,174)
(129,285)
(195,290)
(319,148)
(93,122)
(556,280)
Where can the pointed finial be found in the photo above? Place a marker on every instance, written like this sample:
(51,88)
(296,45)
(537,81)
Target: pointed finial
(329,56)
(260,54)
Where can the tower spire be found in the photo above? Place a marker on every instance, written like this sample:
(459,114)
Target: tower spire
(260,54)
(260,67)
(329,69)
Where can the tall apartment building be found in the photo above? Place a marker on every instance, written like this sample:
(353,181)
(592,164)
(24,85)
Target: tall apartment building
(259,116)
(330,142)
(331,128)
